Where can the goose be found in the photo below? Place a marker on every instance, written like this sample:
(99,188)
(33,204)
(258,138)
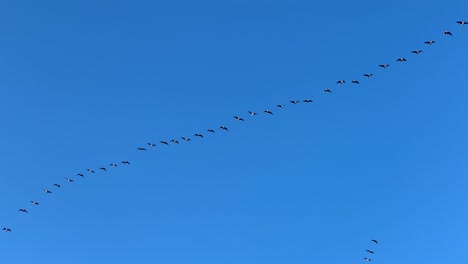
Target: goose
(185,139)
(103,169)
(224,128)
(252,113)
(416,51)
(125,162)
(142,149)
(34,203)
(90,170)
(429,42)
(151,144)
(68,180)
(46,191)
(113,165)
(80,175)
(367,259)
(327,91)
(368,75)
(370,251)
(239,118)
(211,130)
(446,32)
(199,135)
(280,106)
(307,101)
(57,185)
(294,102)
(23,210)
(401,60)
(174,141)
(355,81)
(268,112)
(462,22)
(375,241)
(164,142)
(384,65)
(340,82)
(6,229)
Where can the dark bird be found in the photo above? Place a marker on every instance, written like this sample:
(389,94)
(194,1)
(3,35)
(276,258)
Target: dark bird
(125,162)
(327,91)
(185,139)
(307,101)
(34,203)
(384,65)
(57,185)
(355,81)
(368,75)
(294,102)
(23,210)
(46,191)
(268,112)
(6,229)
(143,149)
(367,259)
(80,174)
(280,106)
(416,51)
(175,141)
(370,251)
(199,135)
(252,113)
(164,142)
(151,144)
(340,82)
(224,128)
(429,42)
(211,130)
(103,169)
(68,180)
(462,22)
(446,32)
(239,118)
(113,165)
(375,241)
(401,60)
(90,170)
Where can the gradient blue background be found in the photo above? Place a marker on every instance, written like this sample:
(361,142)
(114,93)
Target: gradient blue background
(84,83)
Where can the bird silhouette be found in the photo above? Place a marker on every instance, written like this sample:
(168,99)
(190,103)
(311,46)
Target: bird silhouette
(113,165)
(416,51)
(375,241)
(385,66)
(80,175)
(368,75)
(294,102)
(307,101)
(34,203)
(239,118)
(370,251)
(125,162)
(46,191)
(142,149)
(268,112)
(280,106)
(429,42)
(211,130)
(185,139)
(68,180)
(23,210)
(252,113)
(367,259)
(151,144)
(164,142)
(327,91)
(401,60)
(224,128)
(199,135)
(340,82)
(355,81)
(57,185)
(446,32)
(462,22)
(103,169)
(90,170)
(6,229)
(174,141)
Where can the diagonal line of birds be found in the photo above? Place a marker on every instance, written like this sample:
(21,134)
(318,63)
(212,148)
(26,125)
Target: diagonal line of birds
(225,129)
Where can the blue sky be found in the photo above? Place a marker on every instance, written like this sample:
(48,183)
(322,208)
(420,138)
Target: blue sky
(84,83)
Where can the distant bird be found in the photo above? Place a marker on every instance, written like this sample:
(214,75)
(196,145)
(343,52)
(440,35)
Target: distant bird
(429,42)
(327,91)
(57,185)
(6,229)
(125,162)
(367,259)
(370,251)
(268,112)
(68,180)
(23,210)
(307,101)
(355,81)
(185,139)
(90,170)
(164,142)
(46,191)
(103,169)
(113,165)
(174,141)
(211,130)
(462,22)
(224,128)
(375,241)
(368,75)
(151,144)
(252,113)
(34,203)
(142,149)
(446,32)
(401,60)
(80,174)
(280,106)
(384,65)
(199,135)
(294,102)
(340,82)
(416,51)
(239,118)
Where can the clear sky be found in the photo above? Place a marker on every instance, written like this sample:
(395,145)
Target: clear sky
(84,83)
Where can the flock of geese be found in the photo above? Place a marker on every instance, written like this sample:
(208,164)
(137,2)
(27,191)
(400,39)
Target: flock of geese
(224,128)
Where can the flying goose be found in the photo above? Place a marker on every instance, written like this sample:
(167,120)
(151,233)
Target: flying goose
(384,65)
(370,251)
(268,112)
(280,106)
(23,210)
(103,169)
(6,229)
(80,174)
(368,75)
(34,203)
(462,22)
(46,191)
(113,165)
(327,91)
(199,135)
(151,144)
(90,170)
(307,101)
(68,180)
(185,139)
(375,241)
(125,162)
(142,149)
(164,142)
(401,60)
(174,141)
(355,81)
(429,42)
(57,185)
(367,259)
(211,130)
(252,113)
(416,51)
(224,128)
(294,102)
(340,82)
(239,118)
(446,32)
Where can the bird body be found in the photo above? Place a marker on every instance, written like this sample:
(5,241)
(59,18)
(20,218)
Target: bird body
(103,169)
(113,165)
(238,118)
(385,66)
(142,149)
(185,139)
(175,141)
(125,162)
(23,210)
(80,175)
(307,101)
(151,144)
(355,81)
(280,106)
(90,171)
(340,82)
(327,91)
(401,60)
(68,180)
(416,51)
(462,22)
(6,229)
(252,113)
(199,135)
(211,130)
(34,203)
(370,251)
(375,241)
(268,112)
(294,102)
(224,128)
(46,191)
(367,259)
(368,75)
(446,32)
(429,42)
